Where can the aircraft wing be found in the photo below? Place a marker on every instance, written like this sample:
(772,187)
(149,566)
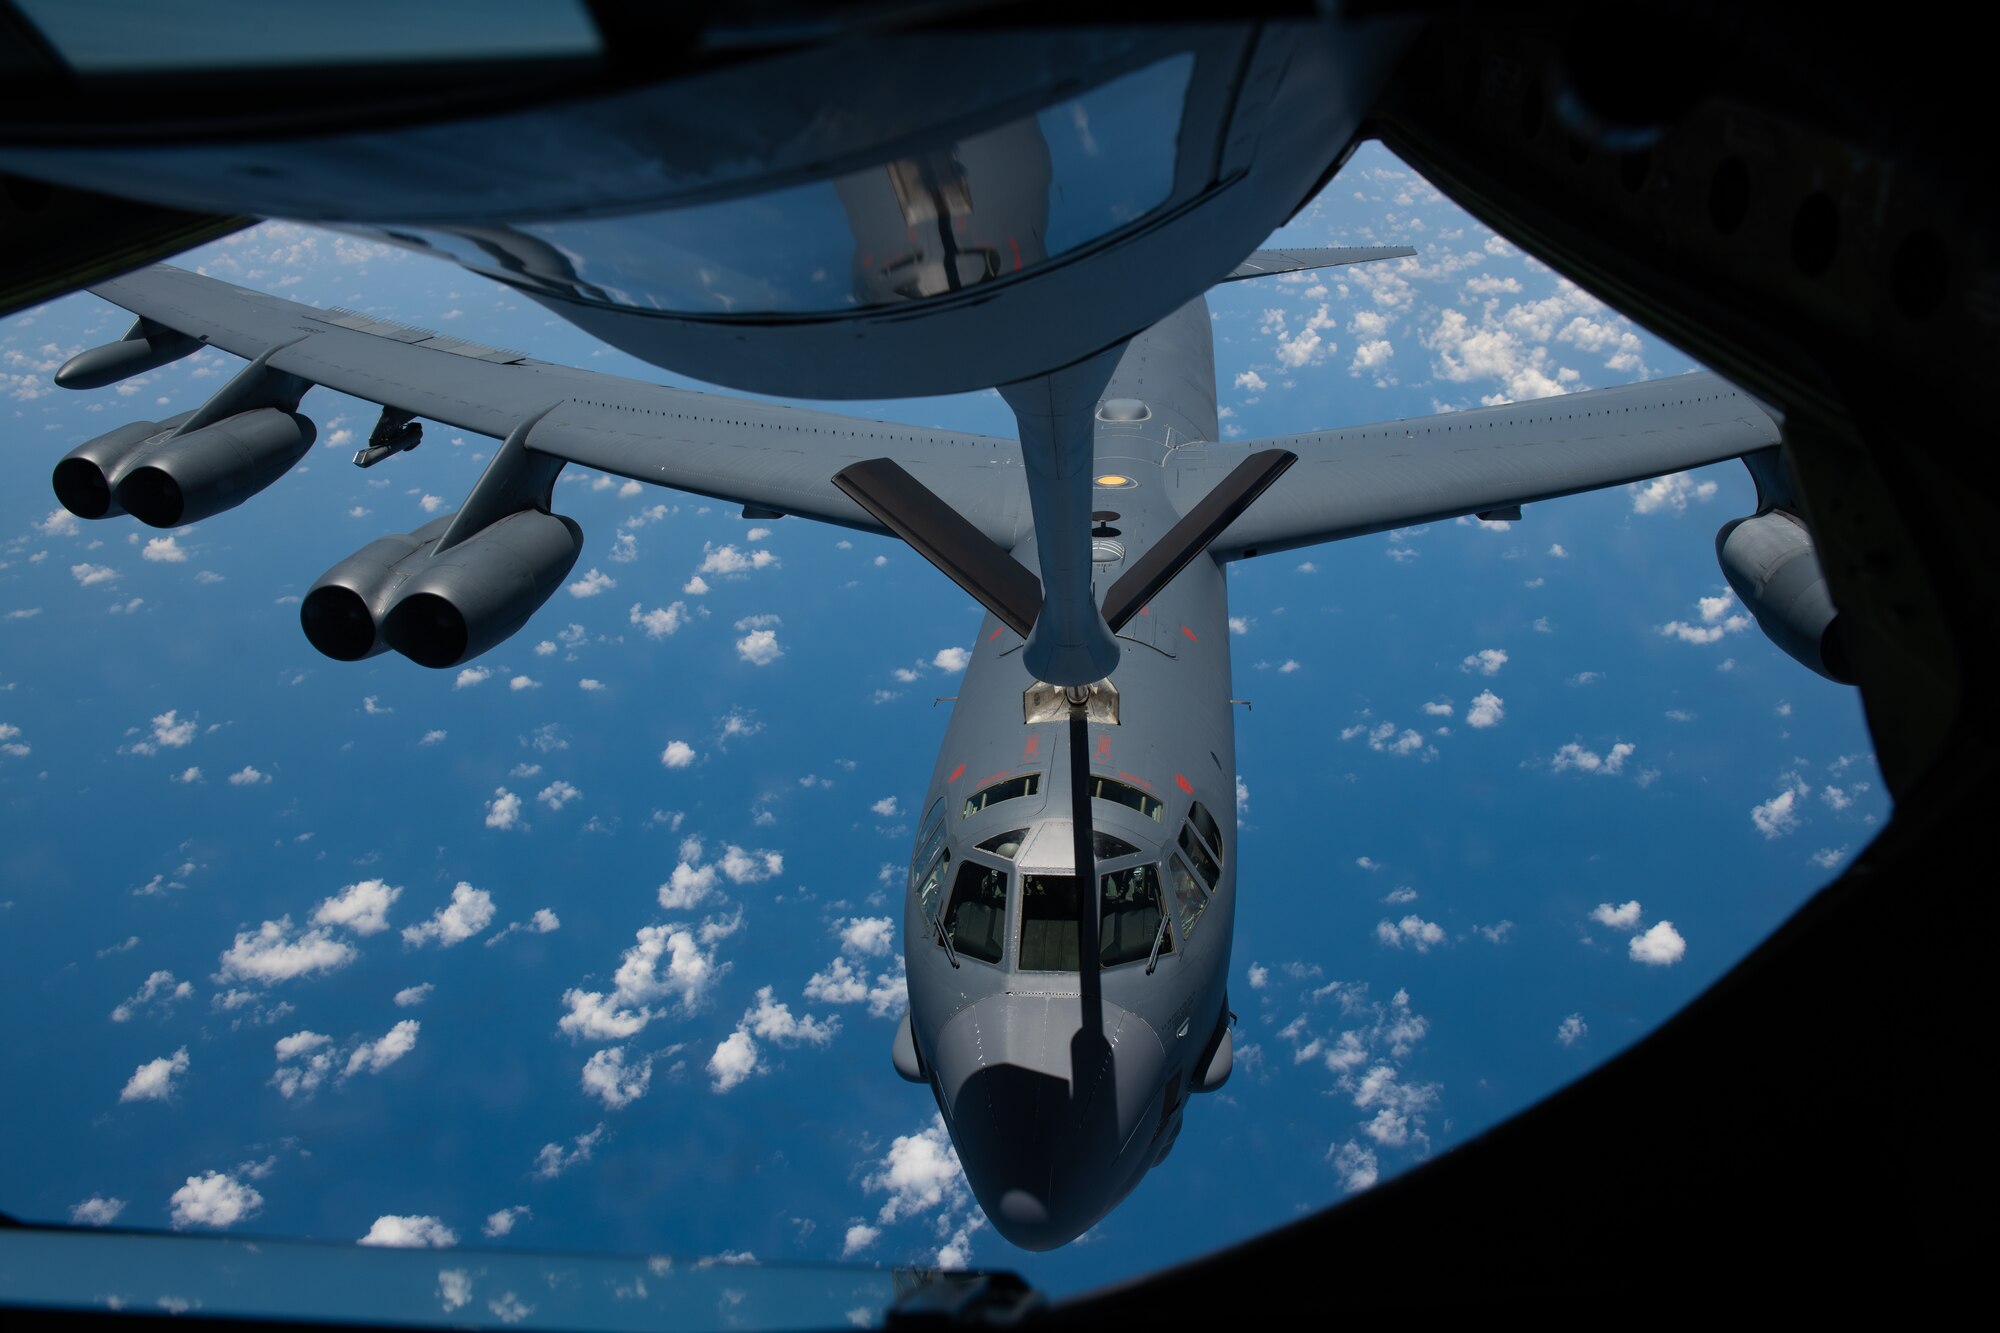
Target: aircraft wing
(1352,482)
(762,455)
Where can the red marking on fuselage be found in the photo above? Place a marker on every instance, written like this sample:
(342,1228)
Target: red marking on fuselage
(955,773)
(1183,784)
(992,778)
(1104,747)
(998,630)
(1017,253)
(1031,749)
(1190,633)
(1135,781)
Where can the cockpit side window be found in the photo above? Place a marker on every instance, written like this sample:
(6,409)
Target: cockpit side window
(1199,856)
(931,834)
(934,876)
(1189,897)
(1048,923)
(1108,789)
(976,919)
(1204,824)
(1012,789)
(1129,920)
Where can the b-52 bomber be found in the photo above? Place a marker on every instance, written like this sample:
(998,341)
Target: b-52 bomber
(1062,1018)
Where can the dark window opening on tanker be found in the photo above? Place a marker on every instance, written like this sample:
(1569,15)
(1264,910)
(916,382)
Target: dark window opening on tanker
(976,920)
(1109,789)
(1028,784)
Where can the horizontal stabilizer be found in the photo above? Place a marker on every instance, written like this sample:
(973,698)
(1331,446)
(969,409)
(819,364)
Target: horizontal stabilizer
(1266,263)
(1191,536)
(941,535)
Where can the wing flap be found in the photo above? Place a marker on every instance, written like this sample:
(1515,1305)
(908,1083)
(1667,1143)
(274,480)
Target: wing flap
(1349,483)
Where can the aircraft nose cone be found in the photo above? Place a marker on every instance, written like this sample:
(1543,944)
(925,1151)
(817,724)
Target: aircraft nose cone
(1053,1119)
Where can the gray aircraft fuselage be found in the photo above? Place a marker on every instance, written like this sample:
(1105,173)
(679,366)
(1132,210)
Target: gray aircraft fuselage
(1053,1125)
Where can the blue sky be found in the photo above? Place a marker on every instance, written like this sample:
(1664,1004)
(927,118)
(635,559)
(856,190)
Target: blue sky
(333,950)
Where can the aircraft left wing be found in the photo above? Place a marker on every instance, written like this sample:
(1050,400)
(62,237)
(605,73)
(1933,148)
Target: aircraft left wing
(767,457)
(1366,479)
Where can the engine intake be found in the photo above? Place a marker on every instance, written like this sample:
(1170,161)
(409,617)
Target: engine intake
(341,613)
(1769,560)
(441,609)
(194,476)
(86,479)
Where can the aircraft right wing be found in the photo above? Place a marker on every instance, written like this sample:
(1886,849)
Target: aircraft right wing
(771,458)
(1365,479)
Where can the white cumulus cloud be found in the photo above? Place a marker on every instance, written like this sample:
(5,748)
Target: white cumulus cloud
(607,1077)
(504,810)
(1658,947)
(272,953)
(1485,710)
(154,1080)
(759,647)
(410,1233)
(213,1200)
(469,912)
(592,583)
(361,907)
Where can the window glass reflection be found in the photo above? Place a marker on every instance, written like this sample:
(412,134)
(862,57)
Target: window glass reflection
(986,207)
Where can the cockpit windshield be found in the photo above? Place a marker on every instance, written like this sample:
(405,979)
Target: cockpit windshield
(1129,921)
(975,921)
(1048,923)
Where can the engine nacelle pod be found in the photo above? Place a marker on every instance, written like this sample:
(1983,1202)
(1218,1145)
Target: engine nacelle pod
(342,612)
(1769,561)
(457,604)
(204,472)
(86,478)
(99,367)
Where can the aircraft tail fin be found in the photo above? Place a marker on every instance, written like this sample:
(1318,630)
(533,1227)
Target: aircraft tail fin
(1295,259)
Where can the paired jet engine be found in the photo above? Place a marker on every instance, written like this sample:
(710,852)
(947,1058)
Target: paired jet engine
(440,595)
(1769,560)
(165,477)
(440,606)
